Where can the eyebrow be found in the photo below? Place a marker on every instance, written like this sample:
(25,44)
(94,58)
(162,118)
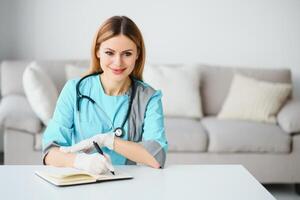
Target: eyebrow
(122,51)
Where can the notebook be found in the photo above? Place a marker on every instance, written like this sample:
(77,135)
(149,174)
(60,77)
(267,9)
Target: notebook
(62,176)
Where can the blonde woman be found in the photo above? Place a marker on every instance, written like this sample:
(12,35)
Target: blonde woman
(111,106)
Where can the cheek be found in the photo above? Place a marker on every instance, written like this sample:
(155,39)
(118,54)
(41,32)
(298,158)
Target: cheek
(130,62)
(105,61)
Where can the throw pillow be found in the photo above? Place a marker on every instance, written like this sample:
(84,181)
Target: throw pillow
(252,99)
(180,87)
(40,91)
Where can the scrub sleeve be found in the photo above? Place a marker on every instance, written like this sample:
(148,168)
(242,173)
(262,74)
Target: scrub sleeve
(61,127)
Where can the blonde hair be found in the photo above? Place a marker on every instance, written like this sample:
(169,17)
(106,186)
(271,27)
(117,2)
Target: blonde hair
(112,27)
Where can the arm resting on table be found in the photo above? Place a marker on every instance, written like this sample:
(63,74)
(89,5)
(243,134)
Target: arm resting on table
(135,152)
(57,158)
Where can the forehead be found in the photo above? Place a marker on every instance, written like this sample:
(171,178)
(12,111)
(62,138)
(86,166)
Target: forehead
(120,42)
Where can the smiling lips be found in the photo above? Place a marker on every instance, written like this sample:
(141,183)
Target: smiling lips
(118,71)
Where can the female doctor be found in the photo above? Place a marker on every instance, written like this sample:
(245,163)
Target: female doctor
(111,106)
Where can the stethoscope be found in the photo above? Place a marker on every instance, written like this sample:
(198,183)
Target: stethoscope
(119,131)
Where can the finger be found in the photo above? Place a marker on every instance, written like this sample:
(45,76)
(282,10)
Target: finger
(108,163)
(98,165)
(107,157)
(109,166)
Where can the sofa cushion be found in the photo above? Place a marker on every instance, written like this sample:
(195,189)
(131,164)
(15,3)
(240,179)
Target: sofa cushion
(180,87)
(245,136)
(185,135)
(40,91)
(255,100)
(216,81)
(16,113)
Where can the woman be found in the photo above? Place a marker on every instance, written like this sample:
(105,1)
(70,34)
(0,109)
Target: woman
(111,106)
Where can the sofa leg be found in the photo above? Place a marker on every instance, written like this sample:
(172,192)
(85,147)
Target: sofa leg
(297,188)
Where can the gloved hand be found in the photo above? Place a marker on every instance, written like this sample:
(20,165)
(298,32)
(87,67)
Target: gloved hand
(93,163)
(103,139)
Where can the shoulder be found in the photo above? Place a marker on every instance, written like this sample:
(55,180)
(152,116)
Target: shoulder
(147,89)
(85,83)
(68,92)
(72,83)
(69,86)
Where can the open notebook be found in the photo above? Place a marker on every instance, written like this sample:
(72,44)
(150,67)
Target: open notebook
(61,176)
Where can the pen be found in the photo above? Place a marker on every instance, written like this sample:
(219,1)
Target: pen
(101,152)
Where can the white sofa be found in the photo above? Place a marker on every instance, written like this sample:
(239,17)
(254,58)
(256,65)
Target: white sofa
(274,156)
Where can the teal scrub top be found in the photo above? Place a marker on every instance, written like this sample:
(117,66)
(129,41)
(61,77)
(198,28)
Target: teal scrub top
(107,114)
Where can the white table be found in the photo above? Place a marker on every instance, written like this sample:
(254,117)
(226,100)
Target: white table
(184,182)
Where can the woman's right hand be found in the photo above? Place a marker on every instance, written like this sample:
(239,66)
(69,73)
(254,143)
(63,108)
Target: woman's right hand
(93,163)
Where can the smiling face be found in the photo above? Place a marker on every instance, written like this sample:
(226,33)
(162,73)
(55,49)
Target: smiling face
(117,57)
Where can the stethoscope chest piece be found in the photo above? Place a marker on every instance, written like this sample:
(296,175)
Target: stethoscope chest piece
(118,132)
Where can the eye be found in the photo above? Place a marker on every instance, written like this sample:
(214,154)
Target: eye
(109,53)
(127,54)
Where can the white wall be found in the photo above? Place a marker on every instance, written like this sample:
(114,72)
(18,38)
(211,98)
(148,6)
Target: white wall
(253,33)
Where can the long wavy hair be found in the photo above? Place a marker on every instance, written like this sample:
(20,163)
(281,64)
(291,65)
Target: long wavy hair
(114,26)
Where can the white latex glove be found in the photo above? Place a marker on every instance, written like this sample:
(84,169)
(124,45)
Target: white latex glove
(103,139)
(93,163)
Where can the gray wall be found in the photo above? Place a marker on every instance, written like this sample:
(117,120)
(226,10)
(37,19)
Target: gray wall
(5,29)
(258,33)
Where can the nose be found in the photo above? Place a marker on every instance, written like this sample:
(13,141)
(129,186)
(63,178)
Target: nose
(117,61)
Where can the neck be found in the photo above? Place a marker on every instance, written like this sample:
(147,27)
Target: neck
(115,88)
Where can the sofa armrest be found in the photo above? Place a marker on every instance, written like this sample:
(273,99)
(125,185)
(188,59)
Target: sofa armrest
(16,113)
(289,115)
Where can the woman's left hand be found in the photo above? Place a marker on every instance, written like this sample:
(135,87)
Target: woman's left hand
(103,139)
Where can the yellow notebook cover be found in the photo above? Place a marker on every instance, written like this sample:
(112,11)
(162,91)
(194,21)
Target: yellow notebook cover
(62,176)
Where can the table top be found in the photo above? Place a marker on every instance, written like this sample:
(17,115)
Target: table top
(174,182)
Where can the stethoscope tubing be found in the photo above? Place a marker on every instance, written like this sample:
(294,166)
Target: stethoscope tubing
(119,131)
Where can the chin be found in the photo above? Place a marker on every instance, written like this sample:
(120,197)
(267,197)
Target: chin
(120,77)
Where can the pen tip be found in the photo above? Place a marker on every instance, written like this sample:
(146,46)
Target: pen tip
(113,172)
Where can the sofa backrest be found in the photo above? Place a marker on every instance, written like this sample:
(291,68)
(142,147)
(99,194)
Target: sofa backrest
(216,80)
(12,73)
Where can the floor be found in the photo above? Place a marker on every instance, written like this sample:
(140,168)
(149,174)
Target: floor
(283,191)
(280,192)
